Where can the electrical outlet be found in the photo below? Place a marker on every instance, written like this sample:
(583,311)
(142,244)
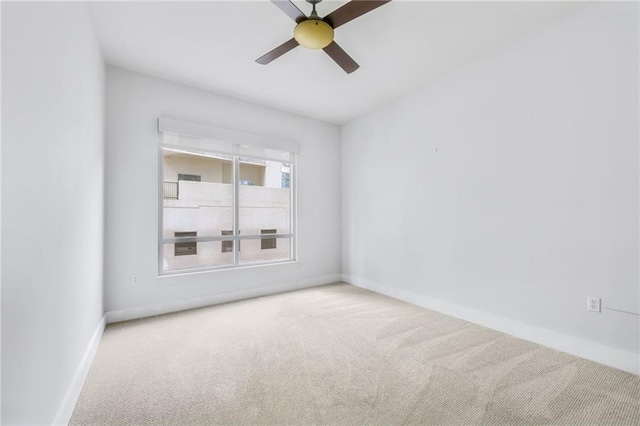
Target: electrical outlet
(593,304)
(135,279)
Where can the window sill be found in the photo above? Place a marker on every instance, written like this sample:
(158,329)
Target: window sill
(184,272)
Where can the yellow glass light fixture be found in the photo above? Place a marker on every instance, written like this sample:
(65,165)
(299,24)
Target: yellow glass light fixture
(313,34)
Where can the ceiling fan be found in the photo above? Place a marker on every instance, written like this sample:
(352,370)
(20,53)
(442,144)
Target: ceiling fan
(314,32)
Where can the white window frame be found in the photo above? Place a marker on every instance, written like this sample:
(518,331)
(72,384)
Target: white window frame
(234,140)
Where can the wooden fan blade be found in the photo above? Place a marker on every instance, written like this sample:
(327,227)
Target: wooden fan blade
(277,52)
(351,11)
(290,9)
(340,56)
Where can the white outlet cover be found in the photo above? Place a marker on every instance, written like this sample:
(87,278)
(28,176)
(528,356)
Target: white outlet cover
(593,304)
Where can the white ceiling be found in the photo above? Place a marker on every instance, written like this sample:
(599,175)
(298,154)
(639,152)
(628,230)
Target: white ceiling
(399,46)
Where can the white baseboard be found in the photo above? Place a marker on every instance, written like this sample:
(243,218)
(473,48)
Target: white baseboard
(68,404)
(584,349)
(215,299)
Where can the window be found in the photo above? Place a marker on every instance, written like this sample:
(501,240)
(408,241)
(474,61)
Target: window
(268,243)
(192,178)
(285,177)
(230,195)
(227,245)
(185,249)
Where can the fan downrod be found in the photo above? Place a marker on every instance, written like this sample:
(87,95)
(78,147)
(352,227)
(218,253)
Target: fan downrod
(314,14)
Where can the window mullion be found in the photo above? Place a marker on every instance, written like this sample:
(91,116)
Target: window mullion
(293,208)
(236,213)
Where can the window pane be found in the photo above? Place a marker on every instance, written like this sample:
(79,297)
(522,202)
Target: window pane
(252,251)
(208,253)
(197,193)
(264,196)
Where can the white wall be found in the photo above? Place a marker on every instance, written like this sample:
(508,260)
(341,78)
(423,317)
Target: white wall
(52,217)
(511,186)
(134,102)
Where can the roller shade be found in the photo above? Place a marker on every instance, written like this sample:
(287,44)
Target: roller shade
(184,134)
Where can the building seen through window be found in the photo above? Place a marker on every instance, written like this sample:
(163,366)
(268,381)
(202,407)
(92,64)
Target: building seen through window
(201,200)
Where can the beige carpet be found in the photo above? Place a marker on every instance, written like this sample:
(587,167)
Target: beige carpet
(340,355)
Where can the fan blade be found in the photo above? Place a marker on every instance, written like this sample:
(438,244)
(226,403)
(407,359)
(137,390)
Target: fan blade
(290,9)
(351,11)
(277,52)
(340,56)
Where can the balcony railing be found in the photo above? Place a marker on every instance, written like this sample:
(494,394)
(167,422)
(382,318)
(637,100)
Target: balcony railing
(170,190)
